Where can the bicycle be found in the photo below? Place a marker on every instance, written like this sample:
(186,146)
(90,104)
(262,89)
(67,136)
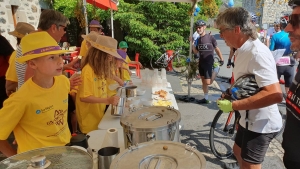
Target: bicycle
(219,130)
(178,61)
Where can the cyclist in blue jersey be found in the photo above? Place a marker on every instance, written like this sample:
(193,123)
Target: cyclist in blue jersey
(285,65)
(205,46)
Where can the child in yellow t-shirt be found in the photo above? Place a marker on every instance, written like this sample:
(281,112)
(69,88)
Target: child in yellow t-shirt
(126,72)
(37,112)
(91,98)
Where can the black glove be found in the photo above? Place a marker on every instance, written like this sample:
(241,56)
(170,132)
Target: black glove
(221,62)
(229,62)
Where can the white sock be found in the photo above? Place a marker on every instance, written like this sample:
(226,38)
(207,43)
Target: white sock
(206,96)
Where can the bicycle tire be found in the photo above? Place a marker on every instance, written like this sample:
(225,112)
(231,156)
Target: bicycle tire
(179,64)
(212,140)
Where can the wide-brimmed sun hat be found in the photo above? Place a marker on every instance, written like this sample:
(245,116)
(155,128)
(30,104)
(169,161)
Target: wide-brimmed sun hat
(95,24)
(22,29)
(37,45)
(91,37)
(108,45)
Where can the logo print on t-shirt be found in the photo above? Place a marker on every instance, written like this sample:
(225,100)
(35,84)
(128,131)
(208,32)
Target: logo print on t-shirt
(58,118)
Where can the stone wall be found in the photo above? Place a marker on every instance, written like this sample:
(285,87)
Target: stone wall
(25,11)
(269,11)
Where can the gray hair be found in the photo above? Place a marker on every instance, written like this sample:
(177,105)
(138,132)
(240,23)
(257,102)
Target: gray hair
(49,17)
(237,16)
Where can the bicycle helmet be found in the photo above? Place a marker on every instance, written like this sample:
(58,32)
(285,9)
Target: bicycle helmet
(244,87)
(200,23)
(294,3)
(253,17)
(277,22)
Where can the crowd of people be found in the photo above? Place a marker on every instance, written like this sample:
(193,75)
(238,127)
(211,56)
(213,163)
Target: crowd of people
(41,105)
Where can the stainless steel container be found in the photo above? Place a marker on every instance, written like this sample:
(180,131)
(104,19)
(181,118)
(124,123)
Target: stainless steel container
(130,91)
(118,110)
(159,155)
(50,158)
(151,123)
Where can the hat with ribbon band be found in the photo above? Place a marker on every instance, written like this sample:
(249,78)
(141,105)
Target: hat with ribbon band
(95,24)
(22,29)
(108,45)
(91,37)
(37,45)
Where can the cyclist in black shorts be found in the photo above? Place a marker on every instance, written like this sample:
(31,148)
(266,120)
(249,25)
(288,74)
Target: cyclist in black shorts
(281,40)
(205,46)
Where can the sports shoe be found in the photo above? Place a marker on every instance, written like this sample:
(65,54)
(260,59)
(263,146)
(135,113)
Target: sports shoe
(234,165)
(203,101)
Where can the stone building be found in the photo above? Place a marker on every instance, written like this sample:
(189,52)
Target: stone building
(268,10)
(14,11)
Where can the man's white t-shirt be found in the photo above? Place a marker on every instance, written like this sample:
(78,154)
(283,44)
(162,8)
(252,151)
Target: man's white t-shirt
(253,57)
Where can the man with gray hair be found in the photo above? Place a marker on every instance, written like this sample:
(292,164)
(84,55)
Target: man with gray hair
(262,120)
(291,136)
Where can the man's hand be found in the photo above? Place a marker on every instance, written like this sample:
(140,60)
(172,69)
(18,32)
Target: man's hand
(70,66)
(75,81)
(225,105)
(114,100)
(229,63)
(221,62)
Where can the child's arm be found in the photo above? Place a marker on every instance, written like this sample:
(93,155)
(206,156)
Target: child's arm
(135,62)
(127,70)
(114,100)
(117,79)
(6,149)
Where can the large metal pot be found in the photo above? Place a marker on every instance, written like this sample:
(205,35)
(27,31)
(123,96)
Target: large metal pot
(50,158)
(130,91)
(151,123)
(159,155)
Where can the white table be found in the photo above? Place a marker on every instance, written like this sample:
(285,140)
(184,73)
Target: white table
(109,121)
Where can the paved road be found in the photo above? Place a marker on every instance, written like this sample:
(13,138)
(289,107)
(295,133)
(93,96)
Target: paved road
(197,118)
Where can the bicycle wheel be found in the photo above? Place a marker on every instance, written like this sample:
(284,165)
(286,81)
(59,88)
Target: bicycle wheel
(157,63)
(222,134)
(179,64)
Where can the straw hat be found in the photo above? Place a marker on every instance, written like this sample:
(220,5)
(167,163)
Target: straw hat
(107,45)
(22,29)
(95,24)
(37,45)
(91,37)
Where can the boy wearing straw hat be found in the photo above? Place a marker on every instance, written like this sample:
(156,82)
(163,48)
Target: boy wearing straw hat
(94,27)
(37,112)
(22,29)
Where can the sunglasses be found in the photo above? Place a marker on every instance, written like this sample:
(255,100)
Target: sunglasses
(294,20)
(65,28)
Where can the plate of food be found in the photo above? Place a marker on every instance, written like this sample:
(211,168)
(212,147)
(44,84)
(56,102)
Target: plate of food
(161,94)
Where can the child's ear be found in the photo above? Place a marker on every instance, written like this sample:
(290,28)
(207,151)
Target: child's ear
(32,64)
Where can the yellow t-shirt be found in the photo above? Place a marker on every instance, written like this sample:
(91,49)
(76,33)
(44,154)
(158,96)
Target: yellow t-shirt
(11,73)
(37,116)
(83,49)
(125,73)
(89,115)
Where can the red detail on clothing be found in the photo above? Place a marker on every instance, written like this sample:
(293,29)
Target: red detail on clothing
(293,105)
(3,65)
(169,53)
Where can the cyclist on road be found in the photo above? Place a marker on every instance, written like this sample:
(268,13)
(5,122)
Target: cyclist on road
(260,118)
(291,136)
(205,46)
(281,40)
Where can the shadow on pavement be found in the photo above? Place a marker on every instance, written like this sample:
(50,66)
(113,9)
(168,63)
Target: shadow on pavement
(212,105)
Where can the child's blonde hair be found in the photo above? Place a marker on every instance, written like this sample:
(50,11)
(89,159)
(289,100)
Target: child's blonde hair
(99,61)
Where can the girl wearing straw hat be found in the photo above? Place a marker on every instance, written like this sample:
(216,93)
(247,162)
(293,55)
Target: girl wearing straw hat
(37,112)
(92,98)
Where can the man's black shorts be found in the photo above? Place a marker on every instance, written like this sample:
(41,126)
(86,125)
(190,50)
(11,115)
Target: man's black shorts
(205,70)
(253,145)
